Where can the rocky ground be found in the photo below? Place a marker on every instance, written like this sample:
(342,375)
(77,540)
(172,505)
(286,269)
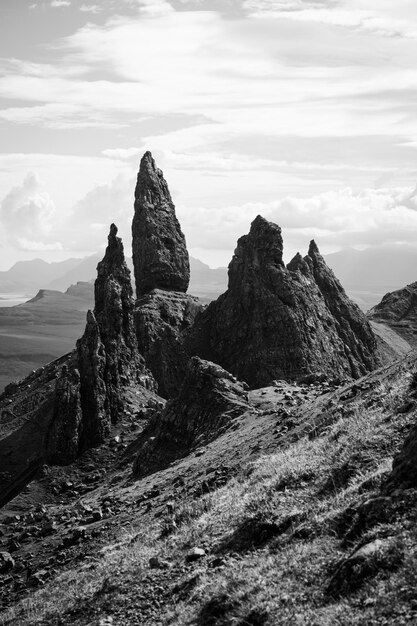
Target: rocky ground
(86,505)
(139,551)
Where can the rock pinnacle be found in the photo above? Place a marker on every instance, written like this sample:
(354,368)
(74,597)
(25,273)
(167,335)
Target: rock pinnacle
(160,256)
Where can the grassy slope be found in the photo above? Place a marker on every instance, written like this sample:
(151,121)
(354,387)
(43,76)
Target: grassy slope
(274,534)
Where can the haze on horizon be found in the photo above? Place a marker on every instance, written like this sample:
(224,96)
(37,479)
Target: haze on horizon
(300,110)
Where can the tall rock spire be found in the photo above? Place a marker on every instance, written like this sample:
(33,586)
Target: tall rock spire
(105,363)
(160,256)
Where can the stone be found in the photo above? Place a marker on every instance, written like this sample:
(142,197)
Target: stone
(160,256)
(195,554)
(155,562)
(277,322)
(365,561)
(209,401)
(6,562)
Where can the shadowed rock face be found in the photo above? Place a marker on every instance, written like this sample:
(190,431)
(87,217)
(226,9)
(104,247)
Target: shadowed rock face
(160,256)
(209,400)
(161,318)
(278,322)
(106,362)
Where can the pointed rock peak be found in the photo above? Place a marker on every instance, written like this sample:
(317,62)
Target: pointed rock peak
(299,263)
(160,256)
(114,257)
(257,253)
(296,262)
(151,180)
(313,249)
(267,238)
(113,265)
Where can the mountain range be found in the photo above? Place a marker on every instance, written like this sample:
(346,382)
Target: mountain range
(366,274)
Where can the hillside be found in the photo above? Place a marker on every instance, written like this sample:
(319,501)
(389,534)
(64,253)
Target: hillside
(251,462)
(280,505)
(398,310)
(40,330)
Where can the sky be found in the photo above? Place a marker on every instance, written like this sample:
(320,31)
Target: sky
(303,111)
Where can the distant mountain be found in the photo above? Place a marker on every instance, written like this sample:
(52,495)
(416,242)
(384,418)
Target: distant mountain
(382,267)
(84,271)
(30,276)
(367,275)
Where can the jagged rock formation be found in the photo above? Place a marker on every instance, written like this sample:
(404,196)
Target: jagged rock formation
(160,256)
(70,405)
(161,264)
(209,400)
(282,322)
(107,360)
(398,309)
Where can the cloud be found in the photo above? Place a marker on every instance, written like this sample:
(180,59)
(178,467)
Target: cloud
(155,8)
(87,226)
(56,4)
(384,18)
(122,153)
(90,8)
(334,219)
(38,246)
(26,212)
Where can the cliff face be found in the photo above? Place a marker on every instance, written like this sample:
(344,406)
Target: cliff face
(163,310)
(282,322)
(160,256)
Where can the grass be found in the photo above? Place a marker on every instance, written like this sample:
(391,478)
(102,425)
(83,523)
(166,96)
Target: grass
(273,538)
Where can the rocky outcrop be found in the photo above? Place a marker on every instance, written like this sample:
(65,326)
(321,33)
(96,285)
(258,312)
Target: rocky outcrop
(160,256)
(71,405)
(106,362)
(64,433)
(209,401)
(351,324)
(161,318)
(398,310)
(282,322)
(163,311)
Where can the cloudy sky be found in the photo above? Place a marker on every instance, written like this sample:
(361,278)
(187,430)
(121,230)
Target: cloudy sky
(301,110)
